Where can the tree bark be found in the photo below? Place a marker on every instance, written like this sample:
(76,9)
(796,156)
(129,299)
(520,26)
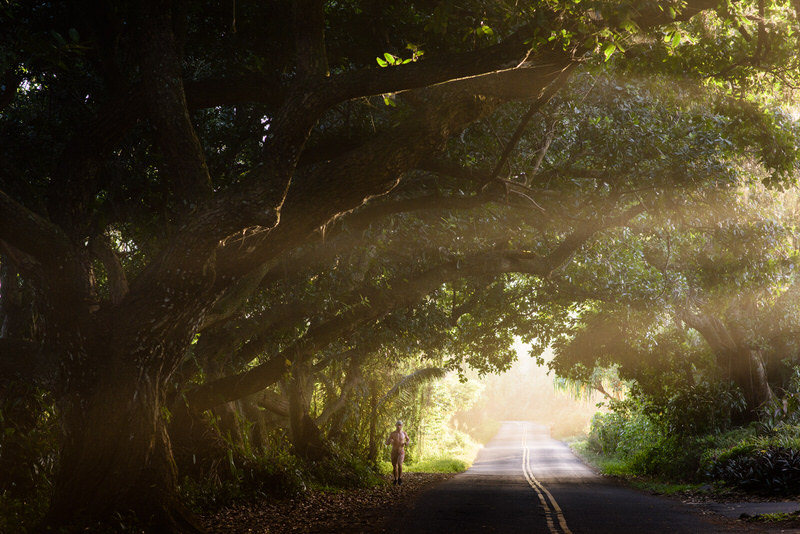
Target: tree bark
(372,453)
(735,360)
(117,456)
(306,436)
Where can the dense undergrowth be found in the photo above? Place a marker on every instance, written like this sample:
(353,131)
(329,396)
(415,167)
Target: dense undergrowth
(245,476)
(225,467)
(279,474)
(693,440)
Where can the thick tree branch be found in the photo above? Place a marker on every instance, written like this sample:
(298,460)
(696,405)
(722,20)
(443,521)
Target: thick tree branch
(212,92)
(374,304)
(711,328)
(163,86)
(309,31)
(534,108)
(321,193)
(341,401)
(117,281)
(32,234)
(307,102)
(274,403)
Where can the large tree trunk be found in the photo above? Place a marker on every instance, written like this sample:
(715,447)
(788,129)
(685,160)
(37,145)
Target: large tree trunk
(736,360)
(749,372)
(117,457)
(116,370)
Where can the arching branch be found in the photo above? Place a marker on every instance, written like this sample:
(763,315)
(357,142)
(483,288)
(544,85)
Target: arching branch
(374,304)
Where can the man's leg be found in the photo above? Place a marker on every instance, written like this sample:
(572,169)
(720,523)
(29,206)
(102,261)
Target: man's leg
(400,459)
(394,467)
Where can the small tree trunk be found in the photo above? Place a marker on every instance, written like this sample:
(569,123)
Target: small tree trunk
(306,436)
(372,453)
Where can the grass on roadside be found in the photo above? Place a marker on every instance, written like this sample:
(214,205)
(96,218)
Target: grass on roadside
(608,465)
(438,465)
(618,467)
(442,464)
(777,517)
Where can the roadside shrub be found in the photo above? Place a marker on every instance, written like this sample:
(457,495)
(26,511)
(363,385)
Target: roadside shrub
(697,409)
(276,476)
(775,470)
(640,444)
(753,461)
(622,432)
(342,470)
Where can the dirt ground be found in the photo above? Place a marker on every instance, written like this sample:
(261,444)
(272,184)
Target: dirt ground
(367,511)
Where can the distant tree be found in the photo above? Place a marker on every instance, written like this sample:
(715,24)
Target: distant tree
(706,295)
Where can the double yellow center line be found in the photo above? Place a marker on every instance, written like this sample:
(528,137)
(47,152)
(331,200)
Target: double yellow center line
(552,512)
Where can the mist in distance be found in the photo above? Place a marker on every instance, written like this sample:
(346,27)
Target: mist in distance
(526,392)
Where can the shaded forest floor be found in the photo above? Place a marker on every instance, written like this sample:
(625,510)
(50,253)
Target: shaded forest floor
(365,511)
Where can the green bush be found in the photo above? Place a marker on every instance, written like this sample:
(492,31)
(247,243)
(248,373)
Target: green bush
(276,476)
(633,443)
(775,470)
(342,470)
(623,433)
(703,408)
(28,453)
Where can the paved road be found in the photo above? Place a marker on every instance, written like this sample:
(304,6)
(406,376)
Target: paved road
(525,481)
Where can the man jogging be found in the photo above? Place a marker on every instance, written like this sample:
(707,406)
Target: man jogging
(398,440)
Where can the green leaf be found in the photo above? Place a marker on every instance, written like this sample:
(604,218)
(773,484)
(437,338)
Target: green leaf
(484,30)
(609,50)
(59,39)
(381,62)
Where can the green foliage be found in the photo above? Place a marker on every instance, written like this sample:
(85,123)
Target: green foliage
(774,470)
(703,408)
(776,517)
(257,477)
(428,414)
(626,434)
(342,470)
(28,457)
(633,439)
(638,441)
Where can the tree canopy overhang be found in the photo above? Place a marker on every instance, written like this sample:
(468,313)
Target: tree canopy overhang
(255,200)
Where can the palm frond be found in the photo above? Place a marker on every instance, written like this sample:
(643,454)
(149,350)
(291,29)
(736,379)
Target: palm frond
(410,383)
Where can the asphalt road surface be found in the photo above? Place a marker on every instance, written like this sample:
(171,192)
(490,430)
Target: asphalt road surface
(525,481)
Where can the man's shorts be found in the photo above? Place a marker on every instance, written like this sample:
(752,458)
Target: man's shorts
(398,457)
